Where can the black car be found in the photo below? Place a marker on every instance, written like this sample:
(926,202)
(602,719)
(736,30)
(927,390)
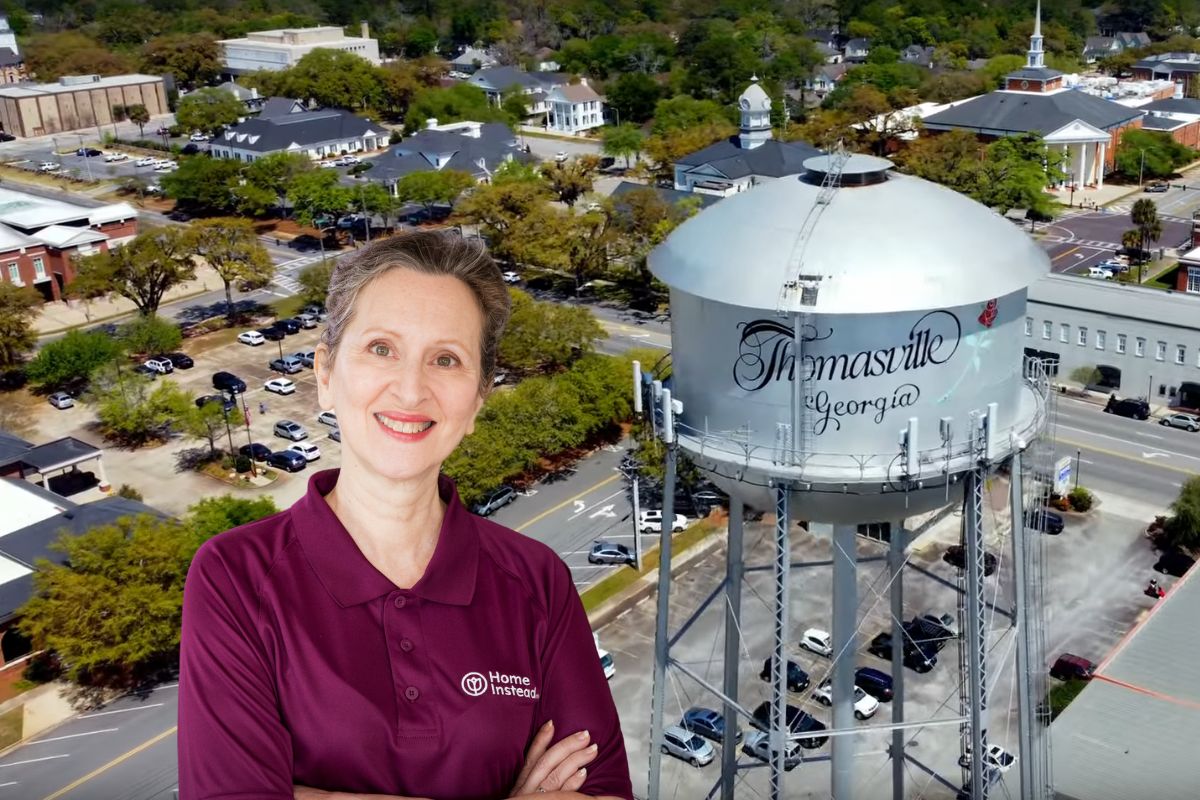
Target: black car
(288,326)
(918,659)
(274,334)
(708,723)
(142,369)
(1134,408)
(1048,521)
(955,556)
(88,152)
(1174,562)
(874,682)
(798,722)
(190,149)
(228,382)
(224,399)
(926,634)
(5,136)
(179,215)
(287,460)
(797,679)
(259,452)
(180,360)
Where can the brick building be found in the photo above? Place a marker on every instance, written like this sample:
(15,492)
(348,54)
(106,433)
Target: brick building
(76,102)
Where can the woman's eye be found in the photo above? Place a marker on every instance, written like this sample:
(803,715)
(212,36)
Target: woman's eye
(446,361)
(381,349)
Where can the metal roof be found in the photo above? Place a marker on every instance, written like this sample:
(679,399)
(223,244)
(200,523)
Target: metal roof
(419,152)
(58,454)
(924,247)
(1118,300)
(21,90)
(304,129)
(772,158)
(1133,731)
(1028,112)
(1174,105)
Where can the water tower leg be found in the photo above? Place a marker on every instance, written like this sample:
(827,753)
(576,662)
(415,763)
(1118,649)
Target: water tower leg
(845,613)
(734,572)
(658,696)
(1025,645)
(896,574)
(783,568)
(976,633)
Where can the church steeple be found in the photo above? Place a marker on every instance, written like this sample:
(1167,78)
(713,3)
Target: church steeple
(1036,58)
(755,107)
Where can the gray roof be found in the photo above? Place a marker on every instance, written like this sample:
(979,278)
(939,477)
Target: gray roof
(1176,105)
(1098,44)
(497,79)
(237,90)
(468,57)
(665,194)
(1023,112)
(858,44)
(1153,123)
(1133,731)
(418,153)
(305,128)
(1171,62)
(12,448)
(59,453)
(8,58)
(1035,74)
(772,158)
(1118,300)
(280,107)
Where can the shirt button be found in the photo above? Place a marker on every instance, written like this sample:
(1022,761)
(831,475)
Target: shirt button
(400,602)
(412,693)
(406,645)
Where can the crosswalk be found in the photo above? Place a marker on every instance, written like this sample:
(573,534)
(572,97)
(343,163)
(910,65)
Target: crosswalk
(286,272)
(1125,207)
(1081,242)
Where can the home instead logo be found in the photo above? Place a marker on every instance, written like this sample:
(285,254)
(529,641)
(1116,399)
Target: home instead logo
(475,684)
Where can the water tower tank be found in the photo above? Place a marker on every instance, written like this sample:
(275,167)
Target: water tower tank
(856,332)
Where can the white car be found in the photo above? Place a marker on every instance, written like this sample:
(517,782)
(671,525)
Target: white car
(817,641)
(166,166)
(758,745)
(511,277)
(48,166)
(328,418)
(651,520)
(61,400)
(115,157)
(865,705)
(310,451)
(329,165)
(198,137)
(348,161)
(685,745)
(1100,272)
(280,386)
(995,757)
(252,338)
(146,161)
(560,156)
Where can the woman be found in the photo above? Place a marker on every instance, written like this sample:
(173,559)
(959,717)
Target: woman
(376,638)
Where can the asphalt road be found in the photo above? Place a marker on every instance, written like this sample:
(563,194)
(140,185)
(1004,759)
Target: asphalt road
(1082,239)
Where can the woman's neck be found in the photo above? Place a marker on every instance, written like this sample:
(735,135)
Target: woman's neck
(395,525)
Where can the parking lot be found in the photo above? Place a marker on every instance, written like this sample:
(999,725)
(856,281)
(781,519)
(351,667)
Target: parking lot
(1095,571)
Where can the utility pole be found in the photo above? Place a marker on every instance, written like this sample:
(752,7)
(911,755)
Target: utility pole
(635,469)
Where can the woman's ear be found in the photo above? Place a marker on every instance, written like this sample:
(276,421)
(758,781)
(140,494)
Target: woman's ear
(322,367)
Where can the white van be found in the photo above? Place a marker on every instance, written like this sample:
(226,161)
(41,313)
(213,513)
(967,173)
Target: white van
(606,659)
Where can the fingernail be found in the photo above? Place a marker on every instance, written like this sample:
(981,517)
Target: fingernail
(582,771)
(549,724)
(594,748)
(583,736)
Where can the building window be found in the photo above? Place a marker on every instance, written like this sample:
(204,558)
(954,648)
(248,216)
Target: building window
(1193,280)
(1160,351)
(1101,338)
(1082,340)
(14,273)
(1047,328)
(1180,354)
(1064,333)
(1029,326)
(1140,350)
(1121,343)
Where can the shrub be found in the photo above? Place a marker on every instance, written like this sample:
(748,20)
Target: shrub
(1081,499)
(242,464)
(1061,503)
(129,493)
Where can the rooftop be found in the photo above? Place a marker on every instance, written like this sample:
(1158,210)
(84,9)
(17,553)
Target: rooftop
(294,130)
(772,158)
(75,84)
(1118,300)
(1025,112)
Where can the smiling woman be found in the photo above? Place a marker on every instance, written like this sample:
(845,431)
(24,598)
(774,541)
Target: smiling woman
(377,638)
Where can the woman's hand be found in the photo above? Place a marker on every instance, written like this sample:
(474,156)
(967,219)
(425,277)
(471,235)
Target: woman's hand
(561,768)
(306,793)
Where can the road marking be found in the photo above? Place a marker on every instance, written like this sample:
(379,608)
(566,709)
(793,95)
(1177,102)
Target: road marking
(10,783)
(119,711)
(567,502)
(73,736)
(1125,456)
(1155,455)
(105,768)
(579,506)
(607,511)
(1123,441)
(617,493)
(1067,253)
(33,761)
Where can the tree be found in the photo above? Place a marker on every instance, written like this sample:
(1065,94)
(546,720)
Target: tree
(633,96)
(317,194)
(71,360)
(666,149)
(570,180)
(1086,376)
(1150,154)
(683,113)
(513,103)
(140,116)
(48,56)
(150,335)
(430,187)
(204,183)
(377,201)
(544,335)
(1149,227)
(501,208)
(231,247)
(334,78)
(452,104)
(134,409)
(214,515)
(880,119)
(208,422)
(1182,528)
(209,110)
(274,173)
(193,58)
(622,141)
(141,271)
(18,309)
(314,282)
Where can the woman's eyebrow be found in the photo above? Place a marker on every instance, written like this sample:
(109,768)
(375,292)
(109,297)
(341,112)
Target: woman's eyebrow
(396,334)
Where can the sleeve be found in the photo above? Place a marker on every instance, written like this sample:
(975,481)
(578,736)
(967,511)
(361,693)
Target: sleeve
(575,693)
(232,743)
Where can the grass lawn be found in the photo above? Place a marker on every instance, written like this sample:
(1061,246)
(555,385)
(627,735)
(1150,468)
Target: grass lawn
(1062,695)
(211,341)
(1159,280)
(288,306)
(11,725)
(622,579)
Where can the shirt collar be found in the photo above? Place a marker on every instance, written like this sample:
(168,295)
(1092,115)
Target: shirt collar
(351,579)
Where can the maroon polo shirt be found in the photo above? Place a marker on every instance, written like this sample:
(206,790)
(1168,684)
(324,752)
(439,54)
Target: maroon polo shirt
(303,664)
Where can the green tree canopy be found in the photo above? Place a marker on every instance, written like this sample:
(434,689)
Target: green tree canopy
(141,271)
(134,409)
(622,141)
(150,335)
(209,110)
(633,96)
(274,173)
(49,56)
(316,194)
(683,113)
(570,180)
(204,183)
(1183,526)
(193,58)
(18,309)
(314,281)
(1150,154)
(230,246)
(70,361)
(544,336)
(431,187)
(138,115)
(452,104)
(333,78)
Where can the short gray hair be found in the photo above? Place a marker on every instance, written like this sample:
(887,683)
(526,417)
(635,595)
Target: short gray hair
(433,252)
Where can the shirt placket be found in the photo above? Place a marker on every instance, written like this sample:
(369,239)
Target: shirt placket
(415,715)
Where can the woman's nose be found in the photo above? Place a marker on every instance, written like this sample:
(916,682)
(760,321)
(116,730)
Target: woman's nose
(409,384)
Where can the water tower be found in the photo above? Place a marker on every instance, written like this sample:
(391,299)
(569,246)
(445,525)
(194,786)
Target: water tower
(847,348)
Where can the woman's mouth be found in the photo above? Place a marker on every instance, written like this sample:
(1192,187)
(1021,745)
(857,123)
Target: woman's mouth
(409,428)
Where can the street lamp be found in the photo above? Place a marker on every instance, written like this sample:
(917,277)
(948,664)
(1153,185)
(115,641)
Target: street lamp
(1071,178)
(1142,168)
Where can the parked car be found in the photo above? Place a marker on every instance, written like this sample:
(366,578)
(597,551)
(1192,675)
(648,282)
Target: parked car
(994,756)
(273,334)
(609,553)
(288,326)
(160,364)
(687,746)
(287,460)
(1072,667)
(142,369)
(560,156)
(798,722)
(1156,187)
(865,705)
(307,321)
(511,277)
(817,641)
(955,556)
(146,161)
(708,723)
(316,311)
(306,357)
(198,137)
(874,682)
(287,429)
(1189,422)
(926,634)
(180,360)
(228,382)
(758,745)
(335,434)
(88,152)
(918,659)
(61,400)
(1174,562)
(651,520)
(947,622)
(797,679)
(307,449)
(112,157)
(48,166)
(495,501)
(1132,407)
(328,164)
(1047,521)
(1100,272)
(5,136)
(328,418)
(225,400)
(259,452)
(280,386)
(166,166)
(288,365)
(349,160)
(252,338)
(180,215)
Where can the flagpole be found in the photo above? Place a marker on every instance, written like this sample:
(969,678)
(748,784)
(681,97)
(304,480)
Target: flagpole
(249,439)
